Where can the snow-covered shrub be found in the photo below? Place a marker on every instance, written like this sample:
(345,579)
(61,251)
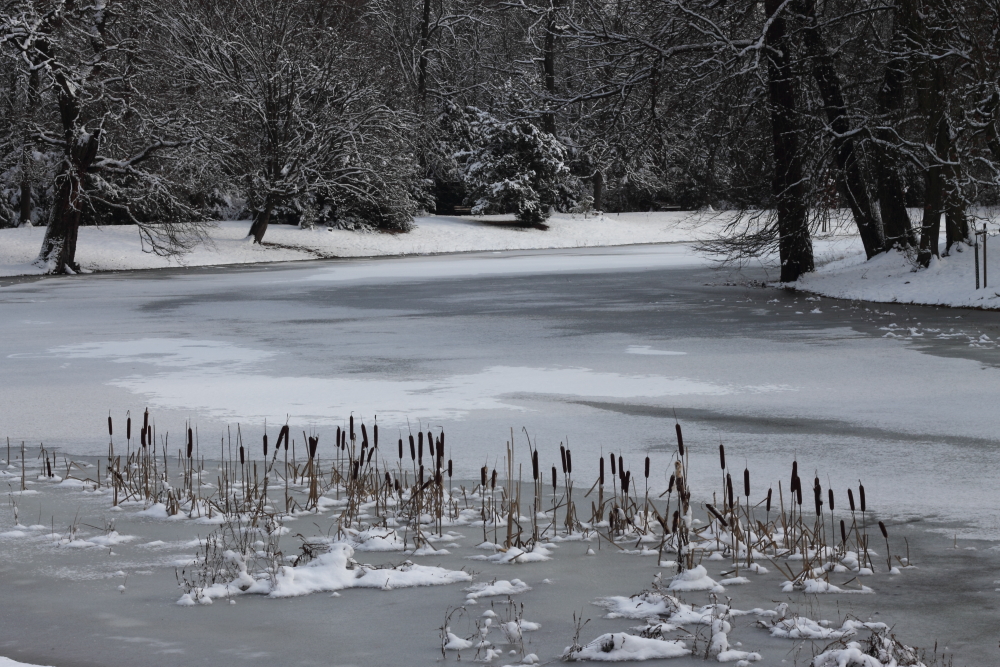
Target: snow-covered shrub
(515,168)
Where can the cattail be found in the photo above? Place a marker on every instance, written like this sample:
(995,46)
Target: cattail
(818,493)
(241,455)
(352,427)
(430,443)
(338,436)
(600,474)
(843,532)
(798,493)
(850,498)
(482,477)
(647,468)
(400,449)
(729,490)
(795,469)
(190,443)
(680,440)
(142,437)
(885,533)
(420,446)
(128,428)
(722,456)
(286,438)
(375,435)
(673,525)
(364,435)
(562,458)
(354,470)
(670,484)
(861,496)
(493,480)
(145,419)
(370,452)
(395,484)
(110,430)
(628,477)
(437,477)
(388,479)
(421,481)
(313,442)
(569,462)
(768,508)
(343,440)
(449,468)
(265,445)
(746,483)
(621,467)
(718,516)
(553,479)
(413,449)
(829,493)
(613,470)
(534,465)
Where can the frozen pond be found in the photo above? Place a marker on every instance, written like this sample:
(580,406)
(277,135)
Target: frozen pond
(600,347)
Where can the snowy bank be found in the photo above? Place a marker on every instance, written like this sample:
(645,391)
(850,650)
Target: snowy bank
(894,278)
(117,248)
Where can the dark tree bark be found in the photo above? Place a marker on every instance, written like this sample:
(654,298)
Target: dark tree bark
(425,28)
(850,178)
(549,68)
(261,219)
(794,244)
(598,180)
(896,226)
(59,246)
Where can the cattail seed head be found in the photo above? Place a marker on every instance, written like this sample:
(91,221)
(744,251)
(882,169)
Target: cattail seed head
(482,477)
(673,524)
(614,471)
(534,465)
(400,449)
(313,442)
(829,493)
(850,498)
(375,435)
(110,429)
(413,449)
(493,479)
(670,484)
(621,467)
(715,513)
(569,462)
(746,482)
(729,490)
(128,428)
(680,440)
(798,494)
(722,456)
(562,458)
(768,508)
(885,533)
(843,532)
(364,434)
(190,443)
(625,482)
(600,475)
(818,497)
(352,427)
(647,468)
(241,455)
(449,468)
(145,419)
(861,496)
(553,479)
(265,445)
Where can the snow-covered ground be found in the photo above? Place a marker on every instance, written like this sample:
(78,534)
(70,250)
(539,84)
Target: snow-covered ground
(118,248)
(842,270)
(894,278)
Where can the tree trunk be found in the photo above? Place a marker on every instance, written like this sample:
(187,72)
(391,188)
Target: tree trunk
(24,207)
(261,220)
(549,67)
(850,179)
(794,244)
(598,180)
(896,226)
(929,78)
(59,245)
(425,26)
